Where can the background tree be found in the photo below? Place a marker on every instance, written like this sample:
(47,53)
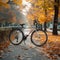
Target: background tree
(42,10)
(6,15)
(45,9)
(55,22)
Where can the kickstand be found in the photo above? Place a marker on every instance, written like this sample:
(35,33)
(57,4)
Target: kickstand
(24,42)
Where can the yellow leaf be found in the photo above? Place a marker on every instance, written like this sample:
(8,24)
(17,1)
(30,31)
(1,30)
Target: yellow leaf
(4,1)
(18,2)
(4,4)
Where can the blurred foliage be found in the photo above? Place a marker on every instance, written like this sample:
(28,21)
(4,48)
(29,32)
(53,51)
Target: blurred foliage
(4,3)
(38,10)
(6,15)
(4,41)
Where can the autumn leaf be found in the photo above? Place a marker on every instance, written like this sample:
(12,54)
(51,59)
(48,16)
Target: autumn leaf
(38,8)
(18,2)
(4,5)
(4,1)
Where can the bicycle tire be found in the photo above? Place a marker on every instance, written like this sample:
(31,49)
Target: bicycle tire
(11,32)
(39,45)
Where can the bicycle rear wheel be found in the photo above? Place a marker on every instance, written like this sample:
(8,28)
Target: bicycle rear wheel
(16,36)
(39,37)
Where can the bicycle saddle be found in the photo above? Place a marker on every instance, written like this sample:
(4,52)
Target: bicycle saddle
(22,25)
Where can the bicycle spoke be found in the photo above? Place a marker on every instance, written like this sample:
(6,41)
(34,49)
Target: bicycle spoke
(38,38)
(16,37)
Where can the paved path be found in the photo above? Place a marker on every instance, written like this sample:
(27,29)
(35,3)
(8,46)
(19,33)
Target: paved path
(22,53)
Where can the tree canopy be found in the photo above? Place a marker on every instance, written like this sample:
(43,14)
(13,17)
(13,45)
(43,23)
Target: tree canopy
(43,10)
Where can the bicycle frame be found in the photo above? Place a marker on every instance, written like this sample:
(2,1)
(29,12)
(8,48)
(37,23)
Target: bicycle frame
(25,36)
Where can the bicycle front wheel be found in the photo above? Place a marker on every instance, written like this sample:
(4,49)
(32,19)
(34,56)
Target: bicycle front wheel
(39,37)
(16,36)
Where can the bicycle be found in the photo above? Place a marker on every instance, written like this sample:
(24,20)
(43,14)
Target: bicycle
(38,37)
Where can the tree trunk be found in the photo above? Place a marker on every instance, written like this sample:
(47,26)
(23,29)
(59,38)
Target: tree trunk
(45,26)
(55,22)
(45,15)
